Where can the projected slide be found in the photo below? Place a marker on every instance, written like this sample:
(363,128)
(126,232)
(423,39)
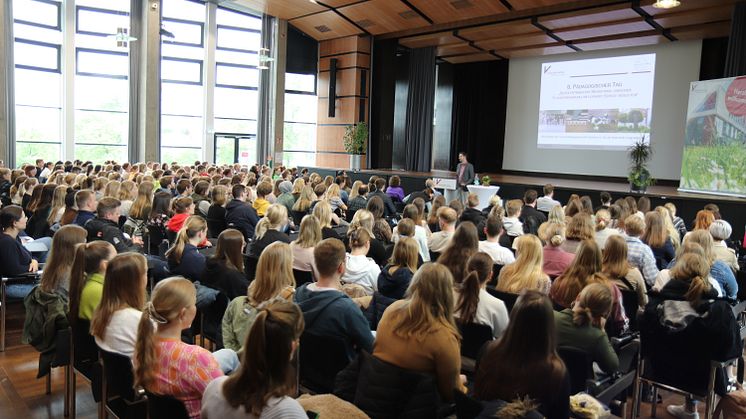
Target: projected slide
(597,104)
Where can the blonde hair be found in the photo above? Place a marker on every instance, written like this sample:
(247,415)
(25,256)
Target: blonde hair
(170,297)
(603,218)
(140,209)
(307,196)
(192,226)
(332,192)
(363,219)
(275,218)
(704,239)
(127,191)
(527,270)
(552,233)
(58,203)
(557,215)
(274,272)
(355,191)
(323,212)
(634,226)
(694,270)
(673,234)
(112,188)
(405,255)
(310,232)
(298,186)
(513,207)
(655,230)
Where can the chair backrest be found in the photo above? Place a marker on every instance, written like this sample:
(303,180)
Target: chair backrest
(62,348)
(579,366)
(506,297)
(434,256)
(250,263)
(473,337)
(120,379)
(84,349)
(321,358)
(631,303)
(156,236)
(161,406)
(215,226)
(496,268)
(302,277)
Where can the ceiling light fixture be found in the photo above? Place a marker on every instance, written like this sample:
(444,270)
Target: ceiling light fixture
(666,4)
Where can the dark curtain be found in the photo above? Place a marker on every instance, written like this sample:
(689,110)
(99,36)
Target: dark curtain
(420,108)
(480,97)
(735,59)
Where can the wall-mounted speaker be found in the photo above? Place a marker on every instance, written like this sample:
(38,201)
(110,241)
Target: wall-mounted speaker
(332,87)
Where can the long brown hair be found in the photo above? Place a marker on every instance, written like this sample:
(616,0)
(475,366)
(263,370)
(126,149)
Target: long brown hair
(192,226)
(123,288)
(584,269)
(141,207)
(655,234)
(58,203)
(405,255)
(464,243)
(479,271)
(170,296)
(614,262)
(87,261)
(265,370)
(580,227)
(274,272)
(429,304)
(230,248)
(525,351)
(60,261)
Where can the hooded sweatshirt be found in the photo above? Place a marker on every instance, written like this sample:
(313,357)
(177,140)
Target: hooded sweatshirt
(363,271)
(396,284)
(330,312)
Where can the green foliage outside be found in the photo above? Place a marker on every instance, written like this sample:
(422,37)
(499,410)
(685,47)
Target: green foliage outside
(714,168)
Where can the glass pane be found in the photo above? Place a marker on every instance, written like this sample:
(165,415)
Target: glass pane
(103,23)
(182,51)
(225,148)
(183,9)
(298,159)
(101,127)
(235,126)
(38,88)
(241,20)
(36,12)
(237,76)
(247,150)
(186,33)
(181,99)
(52,36)
(103,43)
(101,93)
(38,124)
(101,153)
(180,155)
(181,131)
(233,38)
(103,63)
(300,82)
(234,57)
(120,5)
(236,103)
(300,108)
(300,137)
(29,152)
(36,55)
(181,70)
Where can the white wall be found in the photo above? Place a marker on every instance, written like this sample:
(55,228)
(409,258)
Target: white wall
(676,65)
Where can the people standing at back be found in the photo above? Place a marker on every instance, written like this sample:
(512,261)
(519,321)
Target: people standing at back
(464,175)
(547,202)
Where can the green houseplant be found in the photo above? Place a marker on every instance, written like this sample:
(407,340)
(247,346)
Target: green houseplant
(486,180)
(639,177)
(355,140)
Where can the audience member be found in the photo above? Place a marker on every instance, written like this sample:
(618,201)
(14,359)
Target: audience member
(512,224)
(420,233)
(474,304)
(678,222)
(271,228)
(463,245)
(381,228)
(364,219)
(579,228)
(618,269)
(359,268)
(433,222)
(358,199)
(106,227)
(323,212)
(720,231)
(472,212)
(183,257)
(87,278)
(530,216)
(605,202)
(526,272)
(547,202)
(719,270)
(500,255)
(216,212)
(639,254)
(182,208)
(86,203)
(302,247)
(56,275)
(224,271)
(239,214)
(379,191)
(395,191)
(657,238)
(603,228)
(395,277)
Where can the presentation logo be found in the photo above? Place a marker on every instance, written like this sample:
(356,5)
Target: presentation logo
(735,97)
(546,68)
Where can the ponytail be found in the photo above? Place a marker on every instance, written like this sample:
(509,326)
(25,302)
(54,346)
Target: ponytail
(145,350)
(261,228)
(582,316)
(697,287)
(468,299)
(192,226)
(593,302)
(556,240)
(86,261)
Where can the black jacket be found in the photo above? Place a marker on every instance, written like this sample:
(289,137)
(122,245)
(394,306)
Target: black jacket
(38,226)
(15,258)
(388,204)
(227,280)
(5,198)
(215,220)
(419,194)
(107,230)
(472,214)
(531,219)
(271,236)
(396,284)
(192,264)
(330,233)
(378,304)
(242,217)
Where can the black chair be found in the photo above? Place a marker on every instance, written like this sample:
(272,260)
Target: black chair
(215,226)
(118,393)
(83,360)
(321,358)
(156,237)
(298,216)
(434,256)
(496,268)
(631,304)
(473,338)
(210,321)
(60,358)
(160,406)
(171,236)
(302,277)
(506,297)
(250,263)
(4,282)
(350,215)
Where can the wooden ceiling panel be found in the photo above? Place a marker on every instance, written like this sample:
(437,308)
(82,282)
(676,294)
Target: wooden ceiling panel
(592,31)
(284,9)
(326,25)
(430,40)
(456,49)
(338,3)
(516,41)
(383,16)
(499,30)
(531,4)
(704,31)
(597,16)
(694,17)
(443,11)
(473,58)
(622,42)
(548,49)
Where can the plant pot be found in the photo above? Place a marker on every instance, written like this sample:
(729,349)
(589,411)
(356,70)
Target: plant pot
(356,161)
(637,188)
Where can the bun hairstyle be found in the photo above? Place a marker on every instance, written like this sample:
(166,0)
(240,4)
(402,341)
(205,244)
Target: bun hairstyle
(552,233)
(593,302)
(181,205)
(603,218)
(479,271)
(693,269)
(359,238)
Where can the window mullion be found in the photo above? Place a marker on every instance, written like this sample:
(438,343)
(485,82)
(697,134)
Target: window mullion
(209,83)
(68,79)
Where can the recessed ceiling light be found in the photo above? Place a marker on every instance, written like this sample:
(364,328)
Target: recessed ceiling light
(314,1)
(666,4)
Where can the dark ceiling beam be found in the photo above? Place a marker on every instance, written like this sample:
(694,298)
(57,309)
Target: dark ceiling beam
(651,21)
(418,11)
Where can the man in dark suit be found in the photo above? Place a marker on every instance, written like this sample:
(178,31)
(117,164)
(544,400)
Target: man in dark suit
(464,175)
(530,216)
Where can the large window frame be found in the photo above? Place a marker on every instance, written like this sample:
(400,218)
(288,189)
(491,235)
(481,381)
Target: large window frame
(292,155)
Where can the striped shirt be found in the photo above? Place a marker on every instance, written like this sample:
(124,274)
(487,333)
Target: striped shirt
(641,257)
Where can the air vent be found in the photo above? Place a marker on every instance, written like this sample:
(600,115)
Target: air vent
(323,28)
(409,14)
(461,4)
(365,23)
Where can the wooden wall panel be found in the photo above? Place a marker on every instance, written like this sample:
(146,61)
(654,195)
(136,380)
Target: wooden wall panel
(284,9)
(348,83)
(347,111)
(344,45)
(442,11)
(334,161)
(345,61)
(329,138)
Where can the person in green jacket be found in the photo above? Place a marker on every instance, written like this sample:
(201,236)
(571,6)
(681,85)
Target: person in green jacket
(87,277)
(582,326)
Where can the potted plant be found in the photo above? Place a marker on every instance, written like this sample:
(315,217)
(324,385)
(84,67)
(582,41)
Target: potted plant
(639,176)
(486,180)
(355,142)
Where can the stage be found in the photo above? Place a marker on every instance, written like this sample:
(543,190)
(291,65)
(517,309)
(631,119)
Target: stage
(514,185)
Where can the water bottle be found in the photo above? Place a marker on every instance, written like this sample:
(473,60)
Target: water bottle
(476,179)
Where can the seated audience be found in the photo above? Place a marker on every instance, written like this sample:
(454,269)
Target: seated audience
(720,231)
(639,254)
(495,201)
(420,233)
(530,216)
(381,228)
(86,203)
(719,270)
(511,223)
(579,228)
(326,309)
(524,361)
(500,255)
(224,271)
(433,222)
(472,212)
(106,227)
(526,272)
(56,275)
(474,304)
(656,237)
(703,221)
(556,260)
(358,198)
(216,212)
(160,215)
(582,326)
(274,279)
(200,198)
(302,247)
(678,222)
(618,269)
(379,191)
(239,214)
(463,245)
(87,278)
(673,234)
(335,199)
(263,386)
(303,204)
(603,228)
(286,197)
(183,208)
(419,333)
(395,277)
(395,191)
(605,202)
(261,203)
(364,219)
(323,212)
(272,228)
(38,226)
(141,207)
(183,257)
(359,268)
(688,247)
(547,202)
(115,320)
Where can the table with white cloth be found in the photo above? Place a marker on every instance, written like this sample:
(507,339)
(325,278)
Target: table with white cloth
(484,193)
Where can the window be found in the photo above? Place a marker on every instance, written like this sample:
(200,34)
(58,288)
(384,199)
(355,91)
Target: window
(299,145)
(38,79)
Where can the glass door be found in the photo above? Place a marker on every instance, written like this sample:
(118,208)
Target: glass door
(235,148)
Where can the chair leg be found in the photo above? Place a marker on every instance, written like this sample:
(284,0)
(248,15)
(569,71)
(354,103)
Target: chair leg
(2,315)
(73,392)
(48,390)
(654,401)
(66,412)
